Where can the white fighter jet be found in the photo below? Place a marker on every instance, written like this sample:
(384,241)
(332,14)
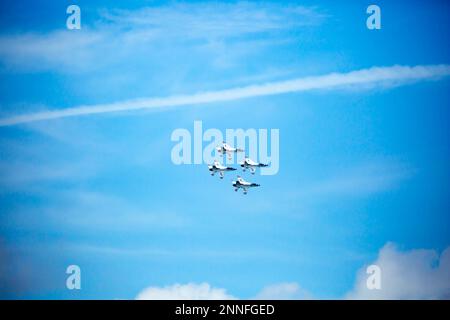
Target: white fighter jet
(241,183)
(251,165)
(217,167)
(226,149)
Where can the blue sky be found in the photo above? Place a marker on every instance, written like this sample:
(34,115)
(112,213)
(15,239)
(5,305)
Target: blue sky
(363,168)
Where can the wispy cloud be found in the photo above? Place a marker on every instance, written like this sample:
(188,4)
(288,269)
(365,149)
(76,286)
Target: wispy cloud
(365,78)
(214,20)
(127,35)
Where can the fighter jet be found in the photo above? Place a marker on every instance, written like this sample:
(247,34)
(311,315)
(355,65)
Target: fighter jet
(226,149)
(241,183)
(251,165)
(217,167)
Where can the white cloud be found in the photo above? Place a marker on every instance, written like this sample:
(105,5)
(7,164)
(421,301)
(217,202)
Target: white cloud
(414,274)
(215,20)
(127,34)
(283,291)
(204,291)
(33,51)
(190,291)
(365,78)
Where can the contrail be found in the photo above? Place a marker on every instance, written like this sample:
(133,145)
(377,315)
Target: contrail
(376,76)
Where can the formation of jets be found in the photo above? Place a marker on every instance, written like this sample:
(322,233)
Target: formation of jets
(217,167)
(247,164)
(241,183)
(251,165)
(226,149)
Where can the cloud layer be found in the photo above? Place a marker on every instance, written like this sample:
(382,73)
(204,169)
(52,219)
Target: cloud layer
(414,274)
(204,291)
(283,291)
(365,78)
(190,291)
(127,34)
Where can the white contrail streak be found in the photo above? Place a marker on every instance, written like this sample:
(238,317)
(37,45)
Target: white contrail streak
(375,76)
